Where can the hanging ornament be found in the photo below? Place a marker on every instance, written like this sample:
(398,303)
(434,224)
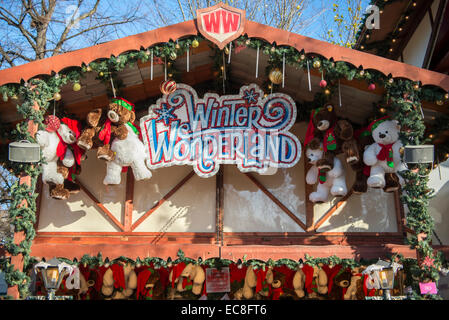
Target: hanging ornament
(5,97)
(173,55)
(275,76)
(57,96)
(316,64)
(101,73)
(226,50)
(372,87)
(195,43)
(88,69)
(323,83)
(15,97)
(416,86)
(177,46)
(440,102)
(302,57)
(248,42)
(52,123)
(391,80)
(362,73)
(327,92)
(273,49)
(168,87)
(76,86)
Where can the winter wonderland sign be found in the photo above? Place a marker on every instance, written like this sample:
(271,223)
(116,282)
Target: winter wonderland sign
(220,23)
(247,129)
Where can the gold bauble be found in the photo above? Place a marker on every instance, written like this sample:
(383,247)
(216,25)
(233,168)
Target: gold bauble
(446,96)
(173,55)
(57,96)
(195,43)
(327,92)
(247,42)
(401,151)
(101,73)
(177,46)
(226,50)
(76,87)
(440,103)
(275,76)
(316,64)
(88,69)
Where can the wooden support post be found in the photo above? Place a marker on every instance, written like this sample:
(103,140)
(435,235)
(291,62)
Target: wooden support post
(128,220)
(219,207)
(309,204)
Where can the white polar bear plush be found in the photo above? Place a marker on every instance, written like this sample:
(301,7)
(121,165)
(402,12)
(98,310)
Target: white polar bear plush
(383,156)
(54,143)
(129,152)
(333,180)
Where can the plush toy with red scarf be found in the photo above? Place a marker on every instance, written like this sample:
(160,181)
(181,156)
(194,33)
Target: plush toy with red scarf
(119,280)
(61,154)
(150,284)
(383,156)
(335,135)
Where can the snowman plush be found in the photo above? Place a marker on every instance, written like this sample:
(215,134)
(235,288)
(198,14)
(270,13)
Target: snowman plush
(333,181)
(383,156)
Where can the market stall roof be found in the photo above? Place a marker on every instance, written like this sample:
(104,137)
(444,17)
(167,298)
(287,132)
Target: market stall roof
(357,99)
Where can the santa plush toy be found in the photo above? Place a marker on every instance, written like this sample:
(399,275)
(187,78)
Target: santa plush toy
(61,155)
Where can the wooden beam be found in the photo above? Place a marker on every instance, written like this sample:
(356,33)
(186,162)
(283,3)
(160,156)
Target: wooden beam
(101,207)
(397,209)
(161,201)
(276,201)
(436,27)
(331,211)
(309,204)
(39,188)
(128,219)
(219,207)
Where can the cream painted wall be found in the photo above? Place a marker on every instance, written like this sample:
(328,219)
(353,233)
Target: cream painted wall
(415,50)
(192,207)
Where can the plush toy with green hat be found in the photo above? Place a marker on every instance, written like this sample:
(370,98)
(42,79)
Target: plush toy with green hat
(122,144)
(383,156)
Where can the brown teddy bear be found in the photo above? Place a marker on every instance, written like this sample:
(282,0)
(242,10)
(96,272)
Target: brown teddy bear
(311,278)
(281,288)
(149,285)
(119,281)
(355,290)
(340,282)
(257,284)
(335,135)
(188,277)
(102,128)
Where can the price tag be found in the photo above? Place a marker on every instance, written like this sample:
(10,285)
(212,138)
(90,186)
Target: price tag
(428,288)
(218,280)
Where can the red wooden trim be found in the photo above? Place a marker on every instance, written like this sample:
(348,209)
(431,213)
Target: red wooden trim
(124,233)
(276,201)
(101,206)
(128,219)
(331,211)
(306,234)
(165,198)
(309,204)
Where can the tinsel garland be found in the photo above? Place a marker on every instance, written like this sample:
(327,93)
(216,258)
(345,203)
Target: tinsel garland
(42,91)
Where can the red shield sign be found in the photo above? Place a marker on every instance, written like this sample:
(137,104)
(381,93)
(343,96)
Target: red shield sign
(221,23)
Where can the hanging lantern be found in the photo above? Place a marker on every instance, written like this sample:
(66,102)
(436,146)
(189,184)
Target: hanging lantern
(275,76)
(195,43)
(168,87)
(57,96)
(24,151)
(173,55)
(76,86)
(372,87)
(323,83)
(316,64)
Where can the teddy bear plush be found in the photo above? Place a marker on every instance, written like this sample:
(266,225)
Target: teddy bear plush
(383,156)
(335,134)
(61,155)
(184,278)
(149,285)
(281,287)
(124,148)
(333,181)
(257,283)
(119,281)
(298,282)
(340,283)
(355,290)
(315,281)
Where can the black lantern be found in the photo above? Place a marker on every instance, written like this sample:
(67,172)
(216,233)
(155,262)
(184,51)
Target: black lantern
(52,273)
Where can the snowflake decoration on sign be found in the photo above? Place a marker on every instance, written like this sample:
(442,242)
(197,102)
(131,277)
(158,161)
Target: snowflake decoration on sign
(250,96)
(165,114)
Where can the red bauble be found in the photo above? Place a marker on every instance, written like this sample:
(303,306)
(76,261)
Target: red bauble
(52,122)
(168,87)
(372,87)
(323,83)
